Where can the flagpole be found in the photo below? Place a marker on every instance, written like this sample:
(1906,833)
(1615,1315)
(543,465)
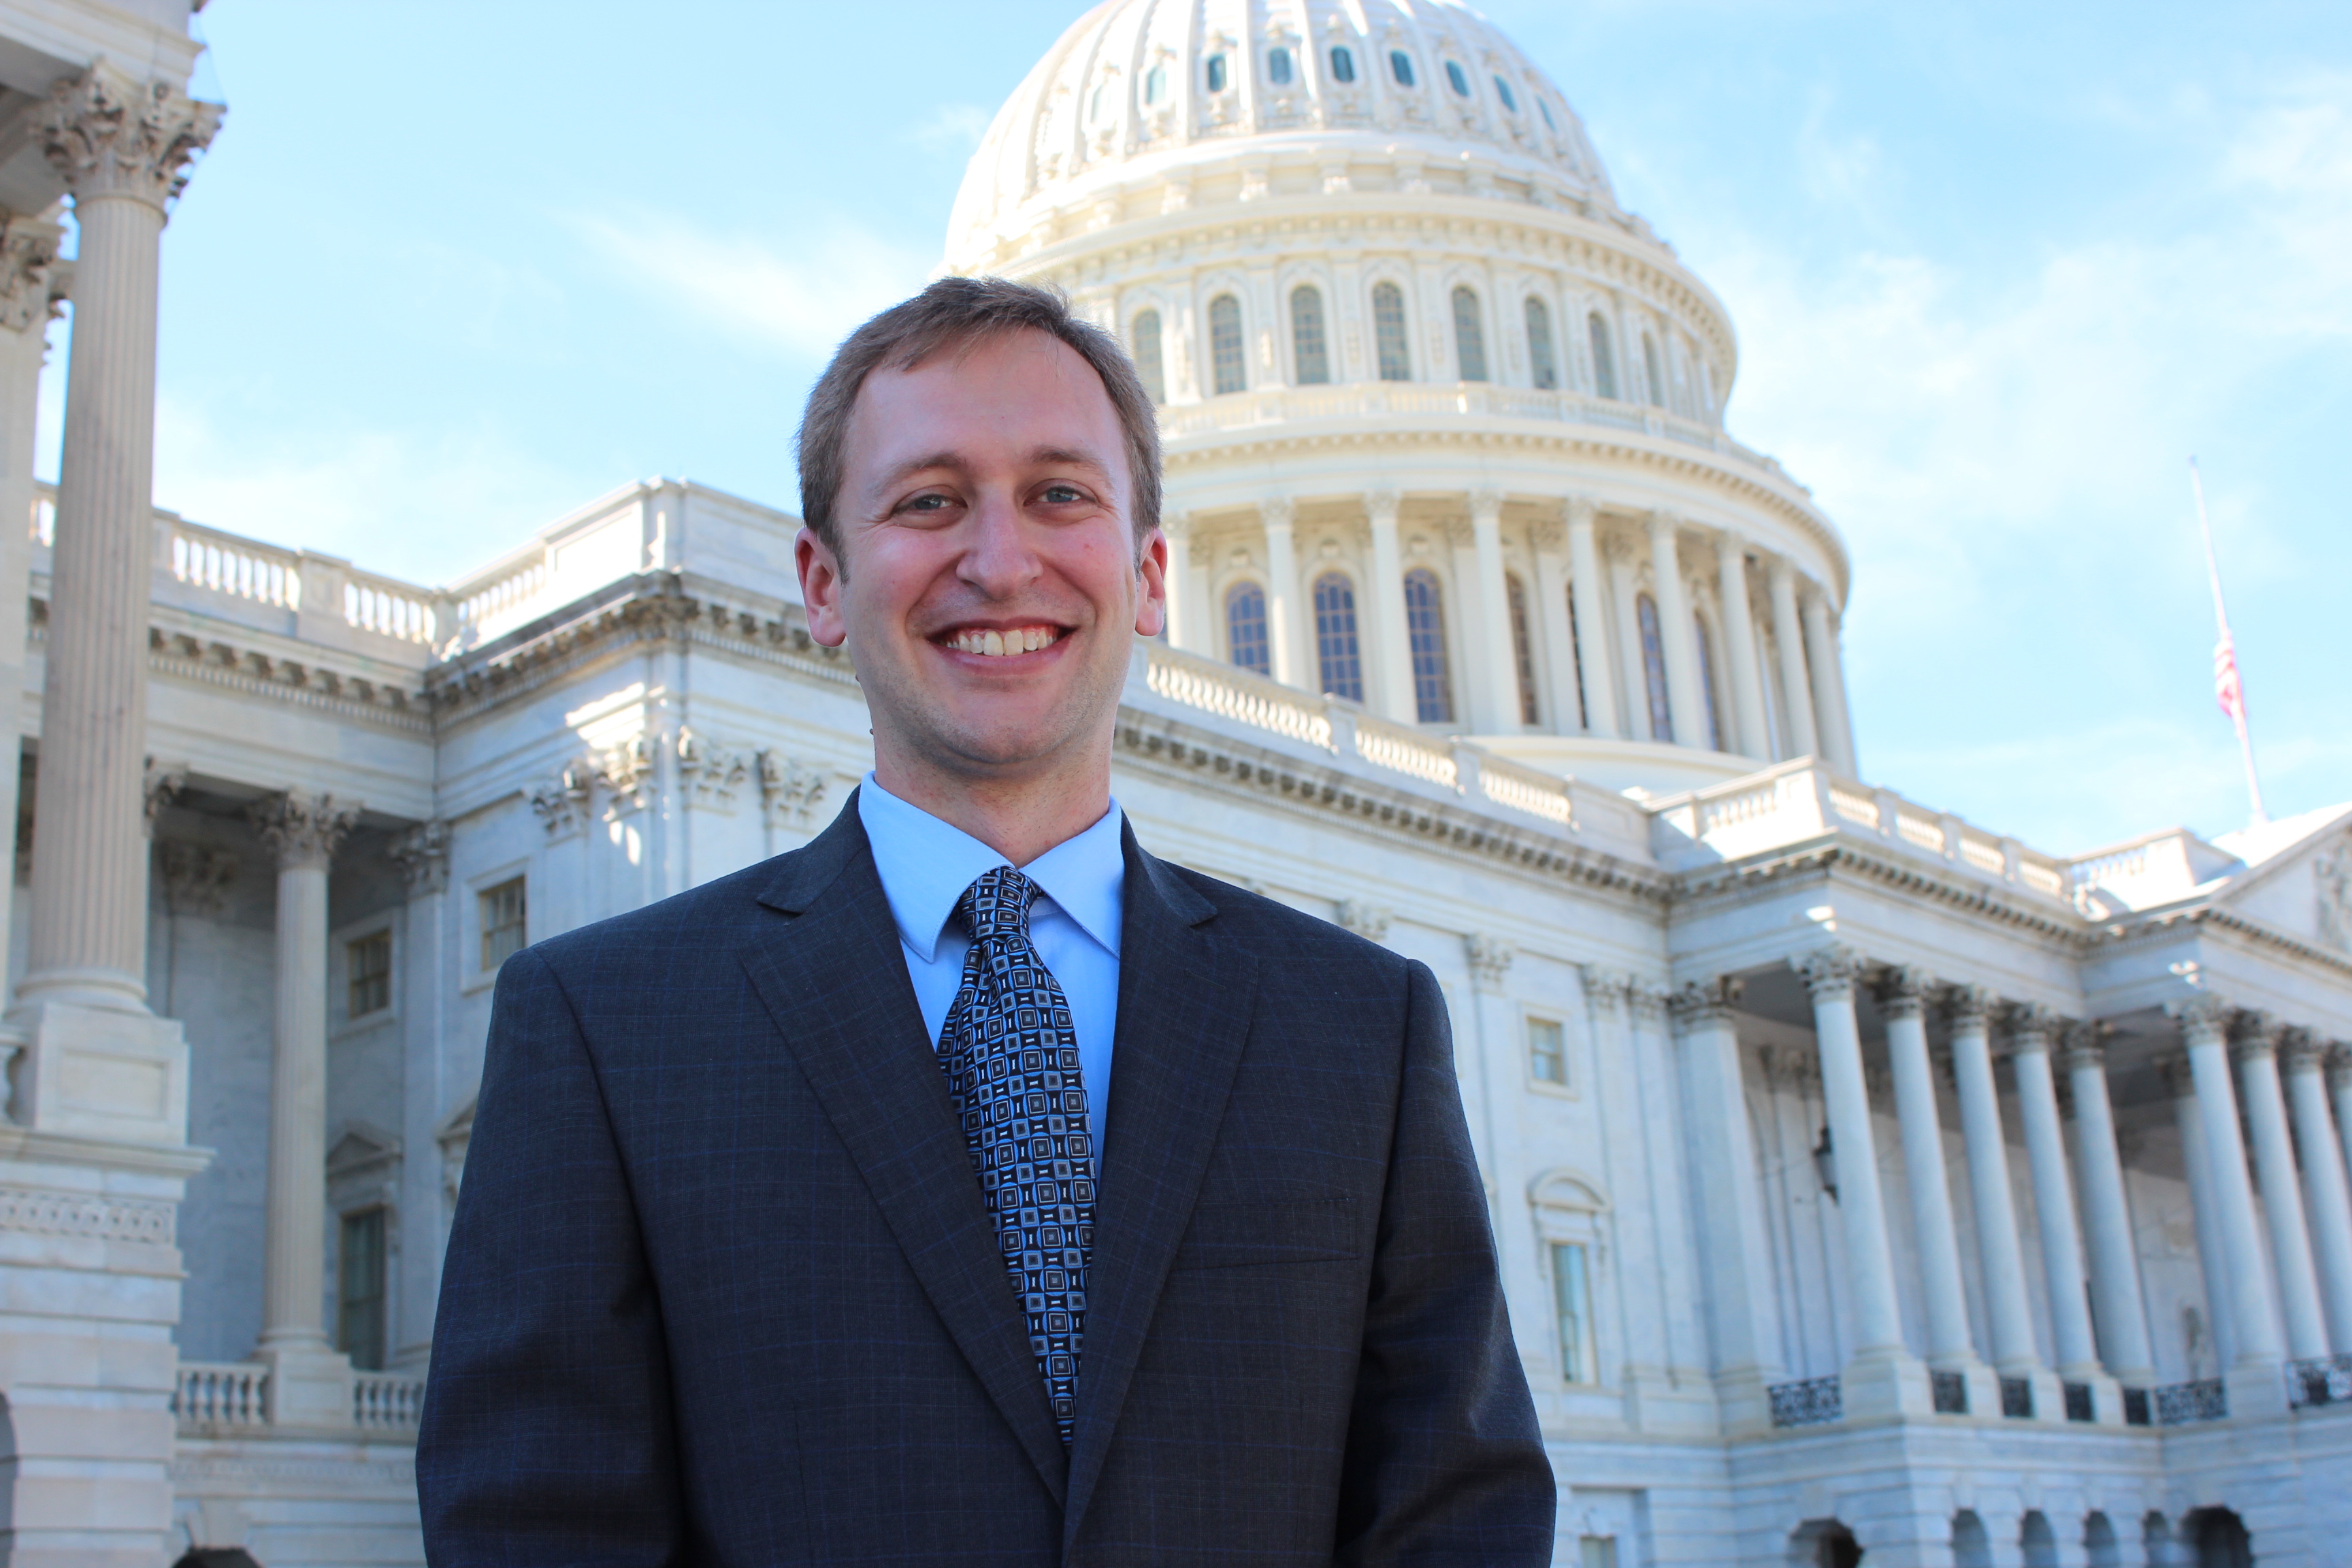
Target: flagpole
(2230,688)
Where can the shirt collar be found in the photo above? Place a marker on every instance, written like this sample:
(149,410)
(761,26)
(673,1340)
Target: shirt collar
(926,864)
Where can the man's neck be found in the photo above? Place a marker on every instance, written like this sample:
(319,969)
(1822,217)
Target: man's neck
(1020,819)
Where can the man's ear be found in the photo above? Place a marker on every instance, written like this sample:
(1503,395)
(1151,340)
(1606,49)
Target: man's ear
(1151,571)
(821,585)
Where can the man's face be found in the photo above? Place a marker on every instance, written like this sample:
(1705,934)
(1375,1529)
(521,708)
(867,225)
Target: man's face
(989,585)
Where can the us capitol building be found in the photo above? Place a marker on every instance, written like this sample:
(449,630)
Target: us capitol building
(1870,1185)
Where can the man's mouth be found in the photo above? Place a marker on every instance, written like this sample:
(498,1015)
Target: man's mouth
(991,642)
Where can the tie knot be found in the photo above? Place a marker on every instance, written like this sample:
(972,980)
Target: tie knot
(997,904)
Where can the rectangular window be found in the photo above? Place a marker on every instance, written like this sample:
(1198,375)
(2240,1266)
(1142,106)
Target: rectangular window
(359,1293)
(503,923)
(1547,1050)
(369,963)
(1571,1290)
(1599,1551)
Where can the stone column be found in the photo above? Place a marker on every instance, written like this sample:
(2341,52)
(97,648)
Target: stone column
(1829,682)
(2204,1209)
(1392,649)
(1796,687)
(2008,1313)
(1591,621)
(1180,606)
(1287,625)
(123,147)
(302,830)
(1754,737)
(1729,1206)
(1624,589)
(423,855)
(1902,1002)
(2106,1216)
(2253,1314)
(1883,1377)
(2074,1347)
(1678,633)
(1189,558)
(31,282)
(2340,1087)
(2256,1041)
(1495,685)
(1550,613)
(2327,1196)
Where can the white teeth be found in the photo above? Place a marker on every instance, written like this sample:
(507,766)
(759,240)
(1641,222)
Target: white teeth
(1001,644)
(991,643)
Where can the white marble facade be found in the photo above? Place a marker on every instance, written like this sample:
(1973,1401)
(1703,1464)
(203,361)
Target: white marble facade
(1864,1178)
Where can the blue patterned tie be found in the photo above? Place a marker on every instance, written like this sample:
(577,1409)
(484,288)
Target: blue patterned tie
(1012,1061)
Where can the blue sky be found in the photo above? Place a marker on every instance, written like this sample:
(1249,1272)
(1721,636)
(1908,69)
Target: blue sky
(452,270)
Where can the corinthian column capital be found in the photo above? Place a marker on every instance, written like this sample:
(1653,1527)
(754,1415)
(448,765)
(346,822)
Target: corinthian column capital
(30,288)
(302,830)
(111,135)
(2204,1018)
(1700,1003)
(1829,972)
(1902,992)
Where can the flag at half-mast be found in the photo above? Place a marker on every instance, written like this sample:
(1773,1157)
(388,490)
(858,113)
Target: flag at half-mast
(2227,689)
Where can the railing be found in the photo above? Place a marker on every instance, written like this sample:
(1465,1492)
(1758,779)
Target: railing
(386,1402)
(1950,1393)
(2323,1379)
(213,1396)
(1343,729)
(2179,1402)
(229,565)
(1813,1402)
(2078,1402)
(2017,1398)
(389,608)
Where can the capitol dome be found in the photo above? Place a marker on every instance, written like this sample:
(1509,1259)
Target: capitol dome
(1442,422)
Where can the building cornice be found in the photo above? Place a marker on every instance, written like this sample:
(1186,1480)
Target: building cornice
(1823,856)
(2122,934)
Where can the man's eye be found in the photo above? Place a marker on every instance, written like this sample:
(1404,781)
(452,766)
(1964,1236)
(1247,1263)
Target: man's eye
(1063,495)
(926,503)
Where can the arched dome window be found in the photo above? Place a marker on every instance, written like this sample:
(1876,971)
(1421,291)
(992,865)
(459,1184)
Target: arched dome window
(1523,651)
(1338,658)
(1545,110)
(1144,338)
(1503,91)
(1225,345)
(1401,68)
(1101,98)
(1457,80)
(1654,668)
(1542,361)
(1309,348)
(1604,363)
(1155,85)
(1469,337)
(1245,639)
(1343,64)
(1278,66)
(1707,682)
(1424,621)
(1216,73)
(1650,367)
(1388,332)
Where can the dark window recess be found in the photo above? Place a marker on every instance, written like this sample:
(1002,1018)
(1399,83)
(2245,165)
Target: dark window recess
(1216,73)
(1951,1393)
(1400,67)
(1343,66)
(2078,1402)
(2017,1398)
(1455,78)
(1278,66)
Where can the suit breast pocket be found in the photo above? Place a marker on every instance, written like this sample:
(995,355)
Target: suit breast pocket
(1285,1228)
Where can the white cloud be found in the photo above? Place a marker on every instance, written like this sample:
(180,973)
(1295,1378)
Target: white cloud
(951,130)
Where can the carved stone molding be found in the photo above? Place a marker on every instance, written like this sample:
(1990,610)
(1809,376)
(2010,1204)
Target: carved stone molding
(423,855)
(164,783)
(1902,991)
(1487,500)
(1365,919)
(1277,512)
(2253,1034)
(39,1213)
(626,771)
(195,879)
(1969,1007)
(1490,959)
(561,803)
(2204,1018)
(2031,1026)
(1703,1002)
(708,773)
(1829,972)
(1648,999)
(790,792)
(300,829)
(30,288)
(110,135)
(1604,988)
(1383,500)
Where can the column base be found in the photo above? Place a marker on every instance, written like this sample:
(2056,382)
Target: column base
(1743,1403)
(2255,1388)
(1878,1383)
(100,1072)
(310,1385)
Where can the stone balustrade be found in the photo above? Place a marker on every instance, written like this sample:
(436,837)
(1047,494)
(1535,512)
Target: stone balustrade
(215,1399)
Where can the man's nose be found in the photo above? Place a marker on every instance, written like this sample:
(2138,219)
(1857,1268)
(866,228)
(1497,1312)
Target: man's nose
(997,558)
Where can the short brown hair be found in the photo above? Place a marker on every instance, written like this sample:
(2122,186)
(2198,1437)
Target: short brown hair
(954,312)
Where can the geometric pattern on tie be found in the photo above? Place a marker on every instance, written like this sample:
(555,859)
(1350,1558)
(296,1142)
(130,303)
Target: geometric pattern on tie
(1012,1061)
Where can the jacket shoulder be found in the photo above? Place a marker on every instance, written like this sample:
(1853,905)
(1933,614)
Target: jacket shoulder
(699,916)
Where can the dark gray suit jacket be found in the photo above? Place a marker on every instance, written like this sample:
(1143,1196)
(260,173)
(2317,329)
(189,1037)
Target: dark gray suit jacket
(720,1288)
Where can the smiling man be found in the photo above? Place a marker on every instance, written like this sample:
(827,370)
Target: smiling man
(971,1186)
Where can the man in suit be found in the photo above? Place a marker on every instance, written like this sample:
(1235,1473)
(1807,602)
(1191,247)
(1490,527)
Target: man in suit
(971,1186)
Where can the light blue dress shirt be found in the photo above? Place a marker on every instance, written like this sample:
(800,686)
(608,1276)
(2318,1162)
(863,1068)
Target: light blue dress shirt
(925,865)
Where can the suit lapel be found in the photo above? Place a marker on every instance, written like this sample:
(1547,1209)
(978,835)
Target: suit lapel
(1184,1005)
(831,975)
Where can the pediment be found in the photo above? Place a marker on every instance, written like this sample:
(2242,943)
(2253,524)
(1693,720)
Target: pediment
(1561,1188)
(2299,879)
(360,1147)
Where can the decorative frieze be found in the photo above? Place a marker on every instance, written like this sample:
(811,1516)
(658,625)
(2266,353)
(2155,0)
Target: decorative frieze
(35,1212)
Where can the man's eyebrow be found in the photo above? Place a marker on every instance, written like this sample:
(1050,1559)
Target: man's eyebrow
(955,462)
(1072,455)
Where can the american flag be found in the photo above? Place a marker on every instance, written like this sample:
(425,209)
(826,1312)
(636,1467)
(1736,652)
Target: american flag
(2227,690)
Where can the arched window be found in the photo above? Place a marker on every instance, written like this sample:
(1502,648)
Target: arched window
(1654,668)
(1245,641)
(2101,1549)
(1469,337)
(1278,66)
(1155,84)
(1568,1213)
(1146,340)
(1216,73)
(1309,349)
(1650,365)
(1456,80)
(1707,682)
(1604,363)
(1343,66)
(1971,1548)
(1400,67)
(1226,344)
(1576,650)
(1424,621)
(1550,123)
(1503,91)
(1523,652)
(1541,359)
(2039,1541)
(1388,332)
(1338,659)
